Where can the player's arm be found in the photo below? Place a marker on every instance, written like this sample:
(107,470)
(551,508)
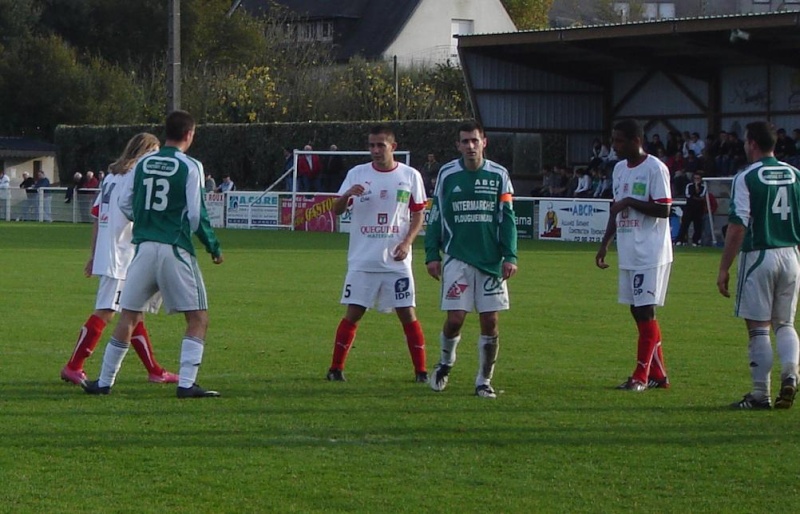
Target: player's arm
(733,243)
(433,241)
(197,215)
(508,235)
(611,230)
(654,208)
(340,204)
(403,248)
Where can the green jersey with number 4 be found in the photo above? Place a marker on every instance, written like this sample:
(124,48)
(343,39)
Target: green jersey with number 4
(765,198)
(166,201)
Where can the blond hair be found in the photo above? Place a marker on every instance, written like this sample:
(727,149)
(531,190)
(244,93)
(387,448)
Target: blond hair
(139,145)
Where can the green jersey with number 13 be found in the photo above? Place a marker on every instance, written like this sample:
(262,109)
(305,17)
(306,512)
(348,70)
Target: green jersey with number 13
(166,201)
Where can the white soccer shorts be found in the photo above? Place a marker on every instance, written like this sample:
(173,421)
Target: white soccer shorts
(767,284)
(642,287)
(466,288)
(169,269)
(382,290)
(109,292)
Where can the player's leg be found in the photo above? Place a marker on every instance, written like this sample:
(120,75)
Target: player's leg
(183,290)
(115,352)
(754,298)
(398,291)
(491,297)
(88,337)
(343,341)
(109,290)
(140,340)
(783,313)
(488,348)
(415,340)
(457,299)
(360,290)
(657,377)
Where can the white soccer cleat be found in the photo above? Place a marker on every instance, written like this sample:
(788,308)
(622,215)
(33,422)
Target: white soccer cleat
(439,377)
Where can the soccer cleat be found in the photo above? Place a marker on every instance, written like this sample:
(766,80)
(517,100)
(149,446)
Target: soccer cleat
(785,398)
(632,385)
(438,380)
(196,392)
(93,387)
(655,383)
(72,375)
(421,377)
(751,402)
(164,378)
(485,391)
(335,375)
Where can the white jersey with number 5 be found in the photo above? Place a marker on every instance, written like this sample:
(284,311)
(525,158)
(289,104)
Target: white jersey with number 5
(381,216)
(642,241)
(113,250)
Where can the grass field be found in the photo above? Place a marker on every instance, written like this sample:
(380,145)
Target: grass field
(282,439)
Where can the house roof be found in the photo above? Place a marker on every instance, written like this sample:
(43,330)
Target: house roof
(377,22)
(24,147)
(697,47)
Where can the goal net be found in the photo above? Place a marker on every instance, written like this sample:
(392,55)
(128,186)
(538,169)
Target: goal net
(304,202)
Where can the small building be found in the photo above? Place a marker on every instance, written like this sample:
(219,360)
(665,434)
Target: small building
(20,155)
(416,32)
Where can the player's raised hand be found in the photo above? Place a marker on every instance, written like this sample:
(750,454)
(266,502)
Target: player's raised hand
(356,190)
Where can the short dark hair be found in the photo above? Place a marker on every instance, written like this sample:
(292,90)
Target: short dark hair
(469,126)
(763,134)
(629,128)
(382,128)
(178,124)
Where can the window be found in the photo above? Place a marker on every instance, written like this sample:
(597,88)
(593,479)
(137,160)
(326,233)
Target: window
(623,10)
(459,28)
(309,31)
(658,11)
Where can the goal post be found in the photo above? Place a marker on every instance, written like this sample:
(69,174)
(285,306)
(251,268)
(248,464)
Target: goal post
(309,210)
(720,188)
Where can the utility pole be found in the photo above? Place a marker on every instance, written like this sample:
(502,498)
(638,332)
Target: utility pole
(174,57)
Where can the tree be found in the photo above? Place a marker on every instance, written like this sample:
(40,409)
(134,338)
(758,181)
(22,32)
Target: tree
(529,14)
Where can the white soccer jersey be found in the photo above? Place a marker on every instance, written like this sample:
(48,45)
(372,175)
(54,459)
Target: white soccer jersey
(113,250)
(642,241)
(381,216)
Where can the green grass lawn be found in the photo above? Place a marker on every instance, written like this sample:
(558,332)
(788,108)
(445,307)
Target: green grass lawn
(559,438)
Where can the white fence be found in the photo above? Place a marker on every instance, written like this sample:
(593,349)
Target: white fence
(46,205)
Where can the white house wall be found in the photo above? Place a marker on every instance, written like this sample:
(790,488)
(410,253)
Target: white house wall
(426,37)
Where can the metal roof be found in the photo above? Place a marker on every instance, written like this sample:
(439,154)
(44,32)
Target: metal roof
(24,147)
(697,47)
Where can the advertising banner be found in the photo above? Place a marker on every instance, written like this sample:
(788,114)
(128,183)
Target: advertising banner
(262,210)
(524,212)
(215,205)
(580,220)
(312,213)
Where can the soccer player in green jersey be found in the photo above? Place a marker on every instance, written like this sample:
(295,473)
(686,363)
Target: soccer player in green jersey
(472,223)
(764,230)
(165,202)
